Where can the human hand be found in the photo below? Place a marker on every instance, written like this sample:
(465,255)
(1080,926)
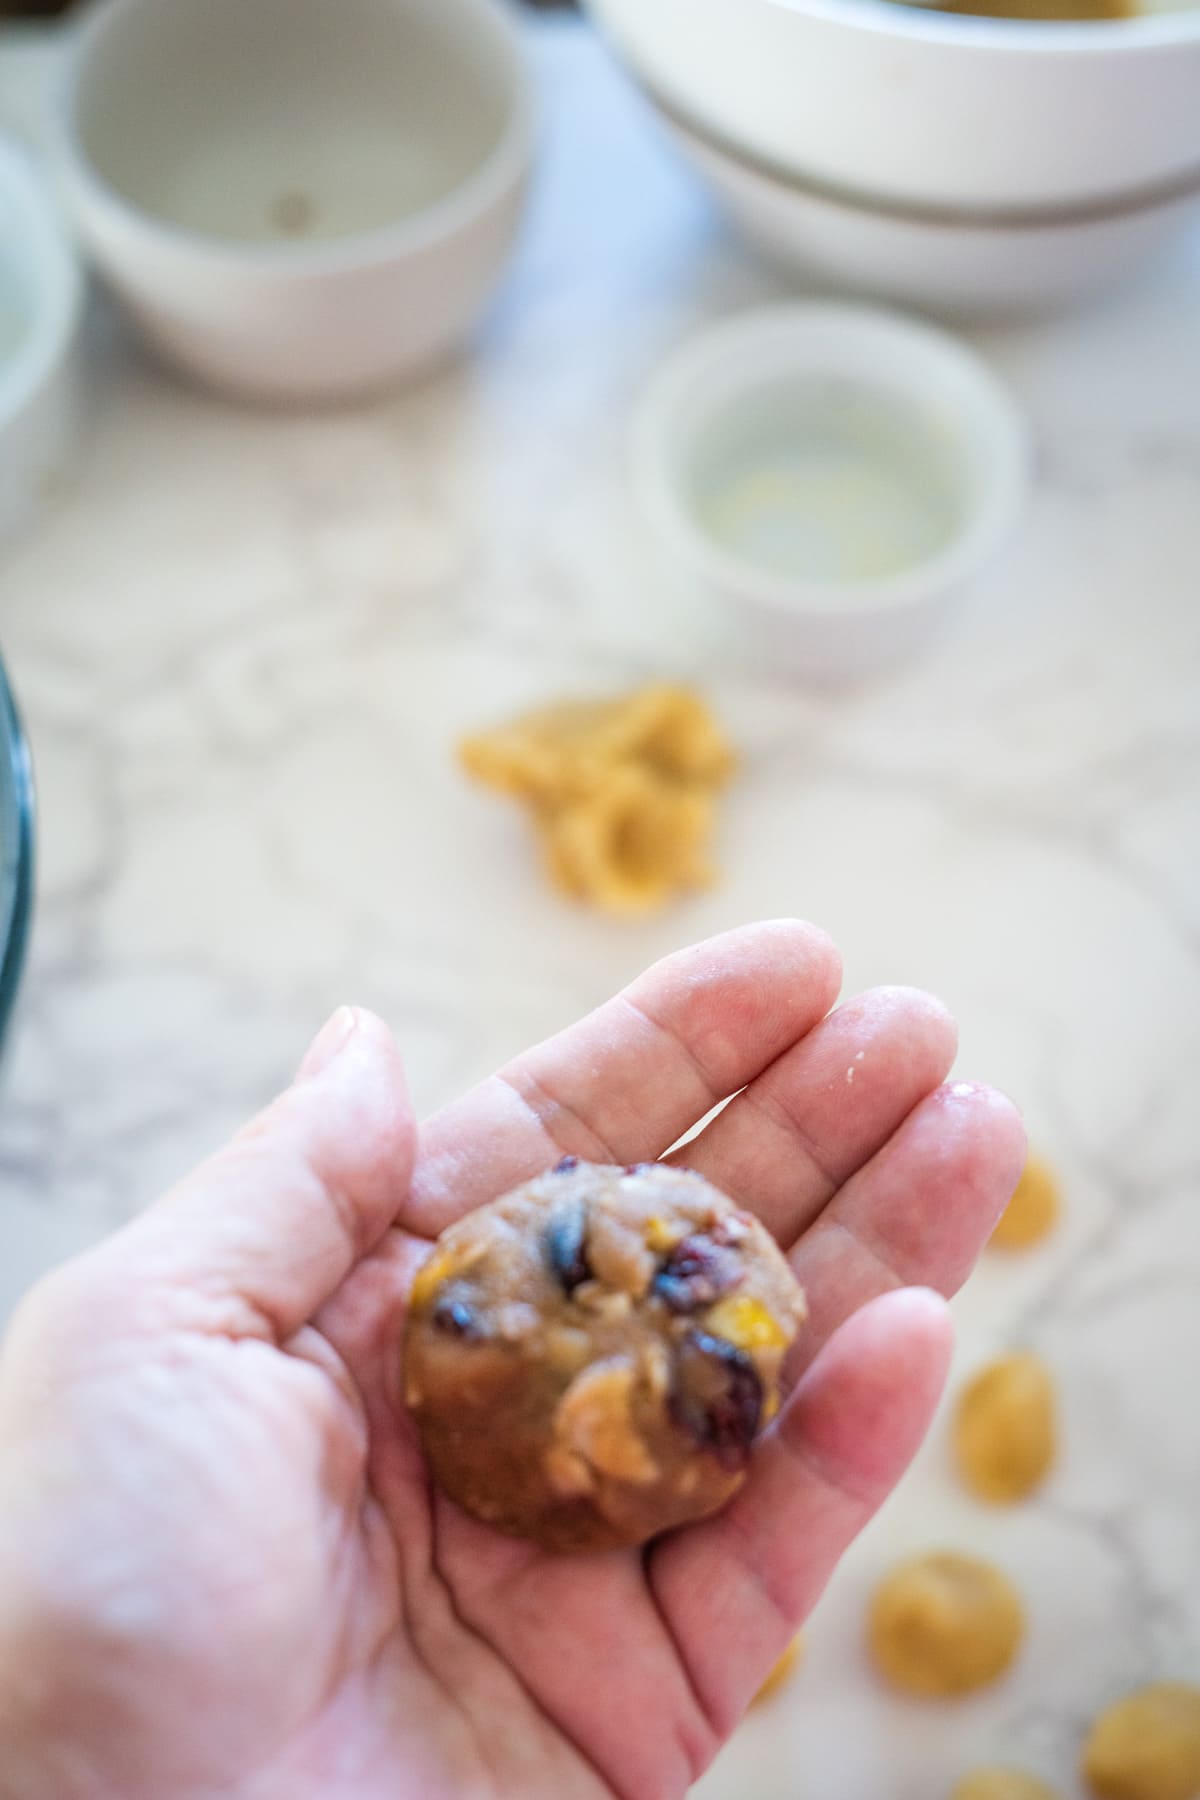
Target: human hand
(223,1569)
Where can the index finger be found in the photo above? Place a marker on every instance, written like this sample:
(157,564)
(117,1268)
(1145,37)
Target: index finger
(629,1079)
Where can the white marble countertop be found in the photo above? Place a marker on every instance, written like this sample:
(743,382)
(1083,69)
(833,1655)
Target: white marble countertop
(245,645)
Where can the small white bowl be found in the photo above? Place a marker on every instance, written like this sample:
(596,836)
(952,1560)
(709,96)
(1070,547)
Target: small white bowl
(835,474)
(945,259)
(41,296)
(297,199)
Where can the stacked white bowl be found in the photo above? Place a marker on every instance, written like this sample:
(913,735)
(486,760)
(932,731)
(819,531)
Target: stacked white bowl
(948,161)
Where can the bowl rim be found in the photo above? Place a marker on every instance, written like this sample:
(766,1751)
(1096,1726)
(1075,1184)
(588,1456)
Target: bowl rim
(57,280)
(1094,37)
(987,523)
(17,924)
(501,169)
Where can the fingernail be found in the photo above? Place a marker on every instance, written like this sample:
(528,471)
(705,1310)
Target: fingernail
(329,1042)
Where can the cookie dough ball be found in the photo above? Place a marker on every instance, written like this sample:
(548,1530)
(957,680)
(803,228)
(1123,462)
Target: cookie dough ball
(1147,1746)
(1033,1210)
(944,1624)
(589,1358)
(1004,1429)
(783,1671)
(1002,1784)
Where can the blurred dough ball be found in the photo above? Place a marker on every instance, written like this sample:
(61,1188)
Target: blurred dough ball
(1147,1746)
(1033,1210)
(1002,1784)
(1005,1429)
(783,1671)
(944,1624)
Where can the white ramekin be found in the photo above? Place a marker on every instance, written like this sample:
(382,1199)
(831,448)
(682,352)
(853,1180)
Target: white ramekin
(831,628)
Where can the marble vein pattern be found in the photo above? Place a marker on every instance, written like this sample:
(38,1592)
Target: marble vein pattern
(247,642)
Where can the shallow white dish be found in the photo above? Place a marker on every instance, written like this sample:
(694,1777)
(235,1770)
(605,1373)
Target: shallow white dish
(902,103)
(41,295)
(945,260)
(835,474)
(295,199)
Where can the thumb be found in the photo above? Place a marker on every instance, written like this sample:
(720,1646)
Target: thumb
(259,1236)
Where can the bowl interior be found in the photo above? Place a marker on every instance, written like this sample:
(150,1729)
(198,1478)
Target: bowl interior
(830,458)
(41,296)
(282,120)
(38,281)
(16,313)
(826,478)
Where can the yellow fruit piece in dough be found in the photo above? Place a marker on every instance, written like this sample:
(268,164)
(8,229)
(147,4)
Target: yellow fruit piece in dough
(1033,1210)
(783,1671)
(746,1323)
(621,791)
(1147,1746)
(595,1423)
(944,1624)
(1005,1429)
(662,1235)
(1002,1784)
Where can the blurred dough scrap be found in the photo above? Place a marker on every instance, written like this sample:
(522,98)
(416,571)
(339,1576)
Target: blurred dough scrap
(1004,1429)
(622,791)
(1033,1210)
(1147,1746)
(783,1671)
(1002,1784)
(944,1624)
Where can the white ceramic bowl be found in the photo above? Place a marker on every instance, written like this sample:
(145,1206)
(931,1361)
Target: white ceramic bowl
(298,199)
(898,103)
(938,260)
(40,306)
(834,474)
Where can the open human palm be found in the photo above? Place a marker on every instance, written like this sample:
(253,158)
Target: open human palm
(223,1568)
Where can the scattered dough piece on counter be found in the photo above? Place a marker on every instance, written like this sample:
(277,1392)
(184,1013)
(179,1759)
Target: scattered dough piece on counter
(589,1358)
(1033,1210)
(1147,1746)
(1002,1784)
(632,844)
(783,1671)
(621,791)
(943,1624)
(1005,1429)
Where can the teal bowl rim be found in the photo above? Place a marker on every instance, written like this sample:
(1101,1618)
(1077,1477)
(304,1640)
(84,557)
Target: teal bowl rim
(17,776)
